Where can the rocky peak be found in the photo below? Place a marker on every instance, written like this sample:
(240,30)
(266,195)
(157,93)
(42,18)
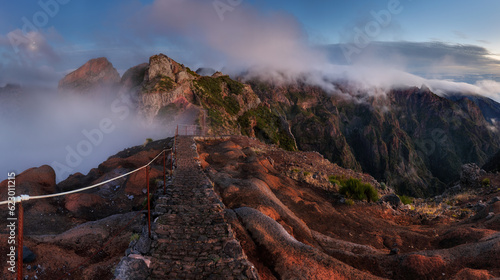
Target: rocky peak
(94,74)
(163,66)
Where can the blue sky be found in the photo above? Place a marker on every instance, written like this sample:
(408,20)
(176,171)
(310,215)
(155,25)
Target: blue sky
(129,31)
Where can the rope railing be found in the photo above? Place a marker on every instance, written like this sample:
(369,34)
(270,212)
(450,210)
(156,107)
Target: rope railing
(21,198)
(27,197)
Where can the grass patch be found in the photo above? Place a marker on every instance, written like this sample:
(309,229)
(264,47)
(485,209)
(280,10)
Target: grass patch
(406,199)
(486,183)
(349,202)
(268,127)
(355,189)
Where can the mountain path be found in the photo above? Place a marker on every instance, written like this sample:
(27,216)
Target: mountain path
(192,238)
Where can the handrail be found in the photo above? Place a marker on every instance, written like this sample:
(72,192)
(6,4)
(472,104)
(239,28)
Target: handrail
(21,198)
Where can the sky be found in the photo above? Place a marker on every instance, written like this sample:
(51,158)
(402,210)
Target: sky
(449,46)
(41,41)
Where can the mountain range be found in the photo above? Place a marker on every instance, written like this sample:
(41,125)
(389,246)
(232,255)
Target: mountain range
(407,137)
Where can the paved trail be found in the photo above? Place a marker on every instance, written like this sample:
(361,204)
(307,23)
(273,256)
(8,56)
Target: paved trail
(193,239)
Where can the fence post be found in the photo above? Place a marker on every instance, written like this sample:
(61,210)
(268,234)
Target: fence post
(164,172)
(171,163)
(149,203)
(20,243)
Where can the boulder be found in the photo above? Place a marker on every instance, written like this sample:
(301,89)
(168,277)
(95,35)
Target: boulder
(469,176)
(79,201)
(392,199)
(472,274)
(34,181)
(131,269)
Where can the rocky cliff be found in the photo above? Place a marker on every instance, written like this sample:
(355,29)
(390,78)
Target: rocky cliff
(408,137)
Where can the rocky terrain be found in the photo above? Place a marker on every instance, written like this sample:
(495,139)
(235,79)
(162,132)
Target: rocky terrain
(282,218)
(351,185)
(83,235)
(285,209)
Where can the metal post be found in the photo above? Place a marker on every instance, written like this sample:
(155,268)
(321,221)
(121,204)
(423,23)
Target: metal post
(149,204)
(164,173)
(20,243)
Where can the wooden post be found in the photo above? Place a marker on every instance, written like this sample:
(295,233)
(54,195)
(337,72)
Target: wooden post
(20,243)
(164,172)
(171,163)
(149,203)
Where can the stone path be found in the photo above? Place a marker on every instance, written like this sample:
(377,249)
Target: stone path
(192,240)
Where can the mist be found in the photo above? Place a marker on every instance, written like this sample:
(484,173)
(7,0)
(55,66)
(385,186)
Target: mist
(274,46)
(70,133)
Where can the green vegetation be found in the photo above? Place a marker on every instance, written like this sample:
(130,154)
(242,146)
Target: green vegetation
(383,186)
(192,72)
(406,199)
(307,173)
(165,84)
(134,237)
(334,180)
(268,127)
(148,140)
(211,89)
(355,189)
(161,84)
(349,202)
(486,183)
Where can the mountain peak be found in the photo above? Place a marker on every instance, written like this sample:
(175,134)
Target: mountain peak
(94,74)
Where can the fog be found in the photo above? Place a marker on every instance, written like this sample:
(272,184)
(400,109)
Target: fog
(70,133)
(275,46)
(75,134)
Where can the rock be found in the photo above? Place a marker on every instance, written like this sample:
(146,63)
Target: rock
(162,65)
(392,199)
(394,251)
(233,249)
(143,245)
(472,274)
(78,201)
(469,176)
(134,76)
(421,267)
(493,200)
(490,216)
(96,74)
(131,269)
(479,206)
(28,255)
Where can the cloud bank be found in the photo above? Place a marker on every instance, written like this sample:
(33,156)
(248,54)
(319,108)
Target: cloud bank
(275,46)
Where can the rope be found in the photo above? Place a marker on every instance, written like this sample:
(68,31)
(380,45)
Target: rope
(27,197)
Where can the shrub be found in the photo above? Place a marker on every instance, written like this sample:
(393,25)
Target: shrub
(148,140)
(349,202)
(192,72)
(486,183)
(355,189)
(383,186)
(307,173)
(406,199)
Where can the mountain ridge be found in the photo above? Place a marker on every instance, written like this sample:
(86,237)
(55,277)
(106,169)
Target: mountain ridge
(408,137)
